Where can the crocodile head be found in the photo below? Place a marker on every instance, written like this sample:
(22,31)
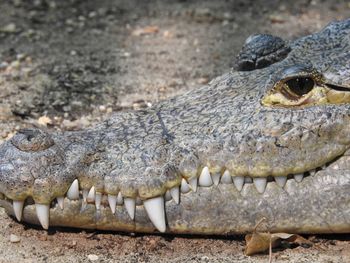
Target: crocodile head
(268,141)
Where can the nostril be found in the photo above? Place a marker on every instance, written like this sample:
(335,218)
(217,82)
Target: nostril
(30,133)
(32,140)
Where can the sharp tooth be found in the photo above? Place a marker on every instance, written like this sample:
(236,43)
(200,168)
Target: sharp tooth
(313,172)
(156,213)
(130,207)
(260,184)
(98,198)
(18,209)
(298,177)
(185,188)
(42,212)
(175,194)
(91,195)
(73,191)
(112,201)
(205,178)
(60,201)
(238,181)
(216,178)
(120,200)
(226,178)
(85,194)
(193,184)
(168,196)
(281,180)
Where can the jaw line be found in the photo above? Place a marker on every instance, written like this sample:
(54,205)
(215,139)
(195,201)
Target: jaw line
(319,204)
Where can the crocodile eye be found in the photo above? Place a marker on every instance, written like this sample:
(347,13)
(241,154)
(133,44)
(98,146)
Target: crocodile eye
(32,140)
(296,86)
(300,86)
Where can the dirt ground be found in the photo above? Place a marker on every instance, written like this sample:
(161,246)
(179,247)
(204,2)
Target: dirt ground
(69,64)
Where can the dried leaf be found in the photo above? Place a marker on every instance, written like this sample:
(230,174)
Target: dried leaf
(260,242)
(145,31)
(296,239)
(276,19)
(257,243)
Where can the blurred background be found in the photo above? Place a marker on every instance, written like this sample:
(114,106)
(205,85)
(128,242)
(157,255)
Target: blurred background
(67,64)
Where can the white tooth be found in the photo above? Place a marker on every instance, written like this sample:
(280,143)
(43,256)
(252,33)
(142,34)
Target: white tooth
(156,213)
(73,191)
(324,167)
(85,194)
(226,178)
(238,181)
(248,180)
(120,199)
(18,209)
(216,178)
(260,184)
(175,194)
(185,188)
(60,201)
(281,180)
(193,184)
(298,177)
(42,212)
(168,196)
(98,199)
(205,178)
(112,201)
(312,172)
(91,195)
(130,207)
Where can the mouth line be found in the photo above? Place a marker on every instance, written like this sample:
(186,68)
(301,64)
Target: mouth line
(155,207)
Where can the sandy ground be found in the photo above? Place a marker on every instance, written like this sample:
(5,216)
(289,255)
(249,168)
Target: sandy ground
(69,64)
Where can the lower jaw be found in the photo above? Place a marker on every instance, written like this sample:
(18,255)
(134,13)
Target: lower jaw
(319,204)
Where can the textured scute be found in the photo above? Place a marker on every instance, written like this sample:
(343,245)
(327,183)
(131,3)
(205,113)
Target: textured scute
(222,125)
(260,51)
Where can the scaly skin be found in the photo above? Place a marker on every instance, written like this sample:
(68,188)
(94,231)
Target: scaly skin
(235,124)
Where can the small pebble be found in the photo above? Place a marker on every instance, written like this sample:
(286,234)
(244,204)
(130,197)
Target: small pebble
(9,28)
(92,14)
(92,257)
(204,259)
(203,80)
(15,64)
(4,65)
(14,238)
(21,56)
